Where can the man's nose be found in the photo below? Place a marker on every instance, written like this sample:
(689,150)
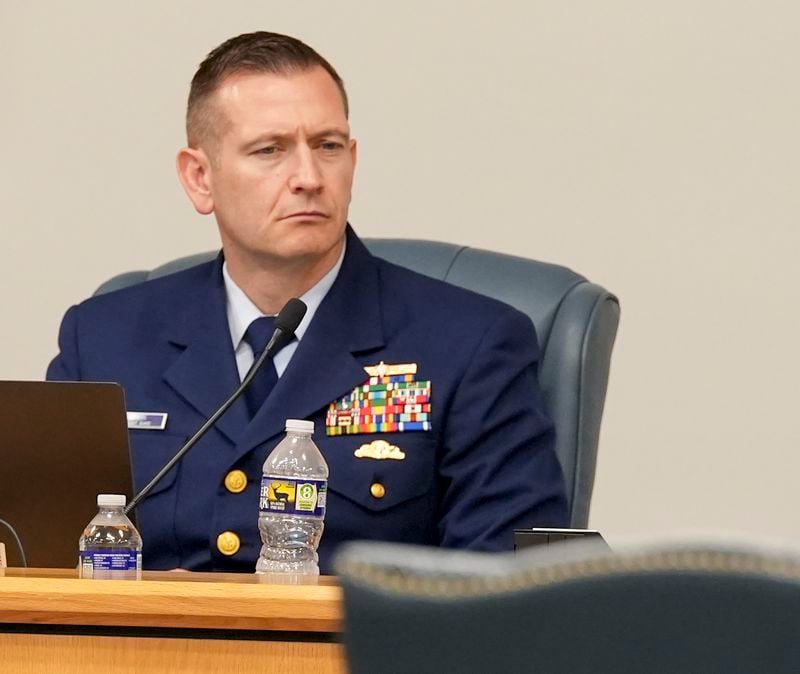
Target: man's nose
(306,176)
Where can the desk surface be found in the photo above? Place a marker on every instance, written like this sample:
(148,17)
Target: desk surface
(53,621)
(229,601)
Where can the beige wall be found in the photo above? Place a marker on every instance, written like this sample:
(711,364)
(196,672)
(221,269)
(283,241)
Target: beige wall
(652,146)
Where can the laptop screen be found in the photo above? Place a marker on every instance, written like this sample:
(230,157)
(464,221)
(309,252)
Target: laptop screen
(61,444)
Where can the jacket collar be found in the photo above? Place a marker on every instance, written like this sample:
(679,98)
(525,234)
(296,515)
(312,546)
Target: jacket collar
(324,366)
(204,374)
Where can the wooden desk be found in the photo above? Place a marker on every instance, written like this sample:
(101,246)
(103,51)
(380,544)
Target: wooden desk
(52,621)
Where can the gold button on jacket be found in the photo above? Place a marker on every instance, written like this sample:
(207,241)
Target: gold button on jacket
(377,490)
(236,481)
(228,543)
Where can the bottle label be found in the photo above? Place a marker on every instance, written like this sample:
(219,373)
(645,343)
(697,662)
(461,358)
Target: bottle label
(110,560)
(293,497)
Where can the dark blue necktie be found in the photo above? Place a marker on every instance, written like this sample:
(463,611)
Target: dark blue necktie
(257,336)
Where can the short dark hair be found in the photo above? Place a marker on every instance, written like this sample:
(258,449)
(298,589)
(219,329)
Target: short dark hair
(258,52)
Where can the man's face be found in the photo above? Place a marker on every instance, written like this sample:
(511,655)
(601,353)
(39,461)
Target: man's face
(280,168)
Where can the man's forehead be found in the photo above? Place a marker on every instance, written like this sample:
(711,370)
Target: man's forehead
(250,107)
(312,88)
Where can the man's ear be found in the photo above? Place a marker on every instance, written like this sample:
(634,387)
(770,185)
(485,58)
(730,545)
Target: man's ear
(194,171)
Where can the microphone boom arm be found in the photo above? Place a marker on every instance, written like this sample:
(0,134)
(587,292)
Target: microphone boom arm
(285,325)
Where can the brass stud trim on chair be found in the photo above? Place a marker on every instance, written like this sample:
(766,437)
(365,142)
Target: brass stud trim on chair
(455,587)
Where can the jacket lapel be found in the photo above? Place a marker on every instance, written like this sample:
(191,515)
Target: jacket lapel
(205,373)
(324,366)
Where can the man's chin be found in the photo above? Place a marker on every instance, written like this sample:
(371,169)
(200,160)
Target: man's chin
(309,246)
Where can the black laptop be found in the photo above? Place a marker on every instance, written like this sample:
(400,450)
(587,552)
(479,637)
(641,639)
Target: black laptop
(61,444)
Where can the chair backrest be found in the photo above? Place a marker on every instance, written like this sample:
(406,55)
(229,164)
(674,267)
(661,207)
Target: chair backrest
(576,322)
(660,610)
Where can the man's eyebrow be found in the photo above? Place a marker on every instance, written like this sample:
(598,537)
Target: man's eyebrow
(273,136)
(266,137)
(343,134)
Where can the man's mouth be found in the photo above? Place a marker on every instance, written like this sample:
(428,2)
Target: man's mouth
(306,215)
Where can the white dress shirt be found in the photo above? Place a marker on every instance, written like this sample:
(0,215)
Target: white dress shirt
(242,312)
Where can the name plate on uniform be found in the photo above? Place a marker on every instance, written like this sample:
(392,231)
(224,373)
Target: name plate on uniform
(147,421)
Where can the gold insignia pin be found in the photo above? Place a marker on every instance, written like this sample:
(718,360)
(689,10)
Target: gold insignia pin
(385,370)
(379,449)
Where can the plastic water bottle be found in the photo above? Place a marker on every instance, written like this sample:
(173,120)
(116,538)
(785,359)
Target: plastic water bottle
(110,546)
(294,488)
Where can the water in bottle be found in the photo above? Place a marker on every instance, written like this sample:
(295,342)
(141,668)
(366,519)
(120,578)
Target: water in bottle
(110,546)
(294,488)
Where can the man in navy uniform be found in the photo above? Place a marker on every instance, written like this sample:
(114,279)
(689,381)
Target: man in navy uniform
(458,455)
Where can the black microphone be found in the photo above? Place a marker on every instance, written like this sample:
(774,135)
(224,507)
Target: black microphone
(286,323)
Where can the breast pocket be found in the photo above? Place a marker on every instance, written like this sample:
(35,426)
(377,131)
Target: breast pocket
(150,452)
(381,484)
(155,515)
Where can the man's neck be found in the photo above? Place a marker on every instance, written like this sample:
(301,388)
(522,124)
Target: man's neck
(269,285)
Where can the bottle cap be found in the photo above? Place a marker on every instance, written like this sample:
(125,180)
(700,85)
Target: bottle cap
(111,499)
(299,425)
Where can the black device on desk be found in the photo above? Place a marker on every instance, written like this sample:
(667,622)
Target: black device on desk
(526,538)
(61,444)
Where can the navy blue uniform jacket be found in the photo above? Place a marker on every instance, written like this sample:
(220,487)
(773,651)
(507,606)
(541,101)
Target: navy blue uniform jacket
(486,466)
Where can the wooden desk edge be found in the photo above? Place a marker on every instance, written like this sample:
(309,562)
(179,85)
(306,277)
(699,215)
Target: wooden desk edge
(174,603)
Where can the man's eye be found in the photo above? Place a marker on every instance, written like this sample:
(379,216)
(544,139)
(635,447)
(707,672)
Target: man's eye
(331,145)
(271,149)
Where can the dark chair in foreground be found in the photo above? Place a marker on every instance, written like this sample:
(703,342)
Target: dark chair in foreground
(576,322)
(675,610)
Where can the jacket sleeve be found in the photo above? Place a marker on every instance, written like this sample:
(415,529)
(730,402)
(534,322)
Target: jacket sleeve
(498,469)
(66,366)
